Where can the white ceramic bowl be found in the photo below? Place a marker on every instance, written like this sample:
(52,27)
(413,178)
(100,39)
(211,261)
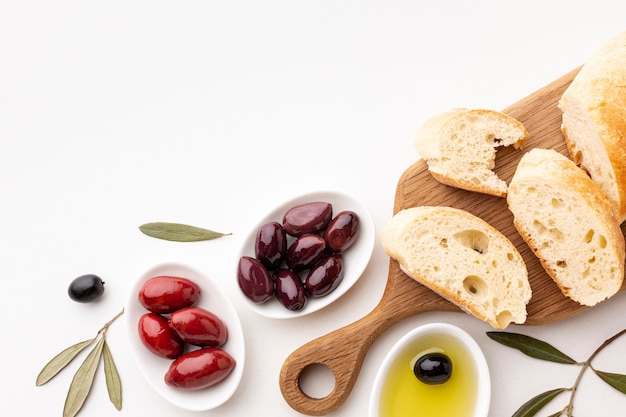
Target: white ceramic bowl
(430,338)
(154,368)
(356,257)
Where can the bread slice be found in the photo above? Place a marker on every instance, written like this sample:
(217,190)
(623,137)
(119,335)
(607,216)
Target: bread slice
(463,258)
(459,147)
(594,120)
(570,225)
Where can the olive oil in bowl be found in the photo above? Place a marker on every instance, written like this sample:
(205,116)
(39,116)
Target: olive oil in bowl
(465,393)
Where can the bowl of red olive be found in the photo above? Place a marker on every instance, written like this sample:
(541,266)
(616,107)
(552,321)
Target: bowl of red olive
(304,254)
(185,336)
(436,369)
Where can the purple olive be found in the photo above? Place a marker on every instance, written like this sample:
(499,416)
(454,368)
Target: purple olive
(307,218)
(254,279)
(305,251)
(342,231)
(325,276)
(271,245)
(289,289)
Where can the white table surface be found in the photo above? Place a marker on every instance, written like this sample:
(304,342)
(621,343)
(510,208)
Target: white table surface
(117,113)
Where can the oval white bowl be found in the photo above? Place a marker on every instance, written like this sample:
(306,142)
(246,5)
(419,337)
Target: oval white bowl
(356,257)
(483,382)
(154,368)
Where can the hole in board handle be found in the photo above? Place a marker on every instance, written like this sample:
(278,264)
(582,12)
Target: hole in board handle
(316,381)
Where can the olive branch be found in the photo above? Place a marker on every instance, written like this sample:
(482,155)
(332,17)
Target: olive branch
(83,379)
(541,350)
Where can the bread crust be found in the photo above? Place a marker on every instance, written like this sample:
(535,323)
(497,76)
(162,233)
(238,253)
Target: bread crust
(551,176)
(594,118)
(459,147)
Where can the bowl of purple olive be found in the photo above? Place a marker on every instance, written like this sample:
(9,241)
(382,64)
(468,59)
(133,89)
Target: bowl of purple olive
(305,254)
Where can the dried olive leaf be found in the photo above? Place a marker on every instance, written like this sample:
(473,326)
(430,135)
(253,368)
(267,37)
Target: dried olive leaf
(532,347)
(532,406)
(617,381)
(82,381)
(178,232)
(60,361)
(113,381)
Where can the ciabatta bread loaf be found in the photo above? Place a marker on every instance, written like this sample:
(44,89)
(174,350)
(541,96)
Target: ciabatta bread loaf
(569,224)
(459,147)
(594,120)
(463,258)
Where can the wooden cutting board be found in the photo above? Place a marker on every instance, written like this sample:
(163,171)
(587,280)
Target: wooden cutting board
(344,350)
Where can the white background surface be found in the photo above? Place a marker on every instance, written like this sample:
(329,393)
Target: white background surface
(117,113)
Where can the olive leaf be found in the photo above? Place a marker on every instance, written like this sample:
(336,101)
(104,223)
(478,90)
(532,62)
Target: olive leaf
(178,232)
(60,361)
(532,347)
(617,381)
(82,381)
(112,377)
(532,406)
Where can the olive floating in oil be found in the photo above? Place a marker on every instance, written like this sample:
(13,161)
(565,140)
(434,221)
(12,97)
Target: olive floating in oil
(433,368)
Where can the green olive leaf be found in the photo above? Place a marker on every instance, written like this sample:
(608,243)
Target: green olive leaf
(178,232)
(532,406)
(82,381)
(532,347)
(617,381)
(113,381)
(60,361)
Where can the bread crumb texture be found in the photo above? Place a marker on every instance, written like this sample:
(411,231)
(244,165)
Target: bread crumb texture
(460,147)
(569,224)
(462,258)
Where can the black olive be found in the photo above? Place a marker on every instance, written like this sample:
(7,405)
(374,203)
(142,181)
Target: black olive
(86,288)
(433,368)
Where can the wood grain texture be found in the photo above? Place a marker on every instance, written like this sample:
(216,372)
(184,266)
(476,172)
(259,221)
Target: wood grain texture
(344,350)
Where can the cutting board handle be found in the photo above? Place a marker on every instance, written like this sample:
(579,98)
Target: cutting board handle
(343,350)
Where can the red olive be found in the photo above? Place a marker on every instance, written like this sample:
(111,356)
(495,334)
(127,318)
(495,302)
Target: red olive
(290,289)
(342,231)
(199,369)
(271,245)
(158,337)
(198,326)
(325,276)
(164,294)
(254,279)
(305,251)
(307,218)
